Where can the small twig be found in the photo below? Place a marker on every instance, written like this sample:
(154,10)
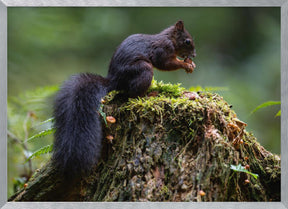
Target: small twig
(24,145)
(25,126)
(13,137)
(25,140)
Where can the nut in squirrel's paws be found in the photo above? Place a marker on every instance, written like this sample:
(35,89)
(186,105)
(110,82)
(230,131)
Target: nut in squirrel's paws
(191,65)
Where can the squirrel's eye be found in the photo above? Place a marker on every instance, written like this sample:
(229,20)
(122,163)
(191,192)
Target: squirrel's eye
(187,41)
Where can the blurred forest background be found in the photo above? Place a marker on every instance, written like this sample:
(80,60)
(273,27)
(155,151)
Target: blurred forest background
(237,49)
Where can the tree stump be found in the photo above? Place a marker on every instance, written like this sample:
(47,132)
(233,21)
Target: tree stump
(172,145)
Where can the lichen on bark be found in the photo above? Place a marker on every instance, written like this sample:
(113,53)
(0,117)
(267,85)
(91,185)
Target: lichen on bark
(173,145)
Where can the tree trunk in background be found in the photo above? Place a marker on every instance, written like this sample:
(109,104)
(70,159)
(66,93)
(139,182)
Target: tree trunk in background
(168,147)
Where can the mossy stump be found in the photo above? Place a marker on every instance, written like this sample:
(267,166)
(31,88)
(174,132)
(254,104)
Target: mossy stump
(172,145)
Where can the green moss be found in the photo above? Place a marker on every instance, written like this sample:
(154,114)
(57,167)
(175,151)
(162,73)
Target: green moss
(167,89)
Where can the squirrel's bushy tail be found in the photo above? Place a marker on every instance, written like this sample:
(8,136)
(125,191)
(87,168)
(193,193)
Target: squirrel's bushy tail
(77,145)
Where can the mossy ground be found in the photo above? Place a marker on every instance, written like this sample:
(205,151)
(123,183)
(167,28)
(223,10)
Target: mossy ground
(171,145)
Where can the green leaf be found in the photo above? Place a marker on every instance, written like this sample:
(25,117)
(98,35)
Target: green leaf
(42,133)
(266,104)
(41,151)
(103,114)
(240,168)
(278,114)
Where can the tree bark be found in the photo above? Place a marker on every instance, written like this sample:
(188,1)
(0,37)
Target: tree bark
(168,147)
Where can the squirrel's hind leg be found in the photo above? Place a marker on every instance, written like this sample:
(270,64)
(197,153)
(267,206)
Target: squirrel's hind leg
(141,80)
(133,79)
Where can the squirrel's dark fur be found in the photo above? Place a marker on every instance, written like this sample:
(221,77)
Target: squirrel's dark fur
(78,135)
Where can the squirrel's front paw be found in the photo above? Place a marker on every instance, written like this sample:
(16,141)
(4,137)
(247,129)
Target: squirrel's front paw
(190,65)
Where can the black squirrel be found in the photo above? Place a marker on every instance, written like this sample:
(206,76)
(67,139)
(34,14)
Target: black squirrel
(78,135)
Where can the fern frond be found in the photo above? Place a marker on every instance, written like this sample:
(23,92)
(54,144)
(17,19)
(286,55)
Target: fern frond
(41,134)
(36,99)
(266,104)
(41,151)
(46,121)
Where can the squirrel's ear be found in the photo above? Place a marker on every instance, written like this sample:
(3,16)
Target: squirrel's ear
(179,25)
